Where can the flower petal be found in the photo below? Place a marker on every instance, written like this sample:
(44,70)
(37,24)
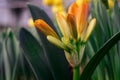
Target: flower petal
(63,25)
(58,8)
(73,9)
(72,25)
(80,1)
(45,28)
(89,29)
(80,11)
(57,2)
(48,2)
(55,41)
(82,17)
(111,4)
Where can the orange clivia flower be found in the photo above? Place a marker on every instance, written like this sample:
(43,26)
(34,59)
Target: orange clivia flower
(80,12)
(75,30)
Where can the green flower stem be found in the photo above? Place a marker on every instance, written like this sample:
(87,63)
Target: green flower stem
(76,72)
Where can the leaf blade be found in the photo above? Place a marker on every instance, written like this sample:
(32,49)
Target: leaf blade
(89,69)
(35,55)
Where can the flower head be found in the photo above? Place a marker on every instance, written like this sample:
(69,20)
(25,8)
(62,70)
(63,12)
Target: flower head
(75,30)
(56,5)
(110,4)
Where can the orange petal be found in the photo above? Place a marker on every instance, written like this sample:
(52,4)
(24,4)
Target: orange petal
(82,16)
(72,25)
(73,9)
(44,28)
(82,12)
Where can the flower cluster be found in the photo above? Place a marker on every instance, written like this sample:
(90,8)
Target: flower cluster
(75,30)
(56,5)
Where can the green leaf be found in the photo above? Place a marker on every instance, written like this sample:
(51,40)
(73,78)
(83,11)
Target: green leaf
(103,19)
(58,63)
(6,71)
(12,48)
(89,49)
(116,15)
(91,66)
(35,56)
(38,13)
(105,3)
(0,47)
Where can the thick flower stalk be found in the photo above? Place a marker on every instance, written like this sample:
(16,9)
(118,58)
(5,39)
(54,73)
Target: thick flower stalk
(75,30)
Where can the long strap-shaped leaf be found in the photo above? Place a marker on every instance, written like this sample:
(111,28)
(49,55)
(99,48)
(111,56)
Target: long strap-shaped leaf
(55,56)
(91,66)
(34,55)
